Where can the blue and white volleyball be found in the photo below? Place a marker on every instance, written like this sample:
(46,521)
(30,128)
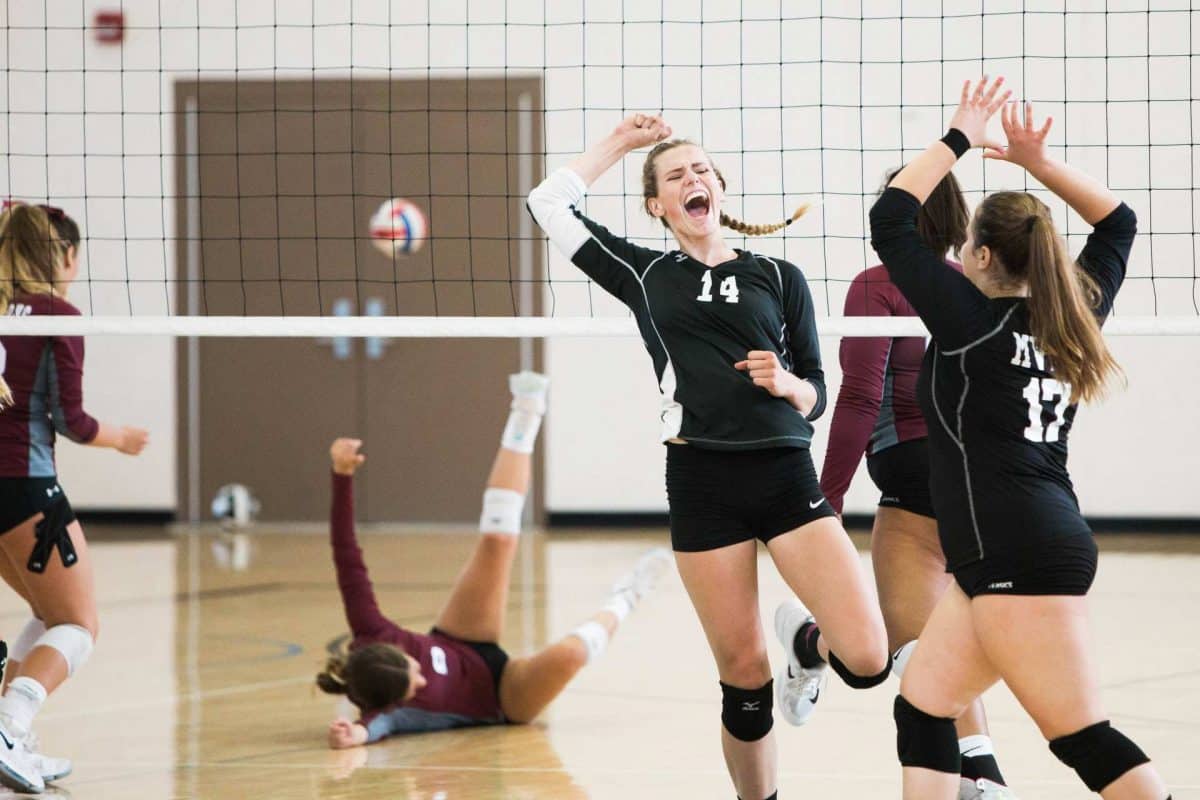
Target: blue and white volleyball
(399,227)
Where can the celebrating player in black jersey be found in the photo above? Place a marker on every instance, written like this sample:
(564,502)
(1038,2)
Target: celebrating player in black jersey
(1016,343)
(733,341)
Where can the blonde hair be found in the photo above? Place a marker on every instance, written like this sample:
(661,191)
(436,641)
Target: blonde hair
(31,251)
(650,189)
(1062,297)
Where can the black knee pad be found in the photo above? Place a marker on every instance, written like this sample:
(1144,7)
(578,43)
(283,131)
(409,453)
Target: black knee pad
(746,713)
(925,741)
(858,681)
(1099,754)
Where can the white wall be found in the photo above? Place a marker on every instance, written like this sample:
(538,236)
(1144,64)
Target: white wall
(794,99)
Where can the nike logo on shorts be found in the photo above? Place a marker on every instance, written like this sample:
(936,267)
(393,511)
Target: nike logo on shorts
(813,504)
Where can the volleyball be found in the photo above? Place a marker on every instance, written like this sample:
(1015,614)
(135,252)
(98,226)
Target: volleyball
(399,227)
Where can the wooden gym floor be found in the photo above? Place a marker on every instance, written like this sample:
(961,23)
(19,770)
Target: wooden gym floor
(201,683)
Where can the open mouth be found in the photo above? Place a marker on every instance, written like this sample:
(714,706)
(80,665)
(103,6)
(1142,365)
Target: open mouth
(696,204)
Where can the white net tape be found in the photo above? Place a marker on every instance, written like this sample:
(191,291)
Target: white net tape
(477,327)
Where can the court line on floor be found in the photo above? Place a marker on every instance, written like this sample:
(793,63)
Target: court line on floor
(174,698)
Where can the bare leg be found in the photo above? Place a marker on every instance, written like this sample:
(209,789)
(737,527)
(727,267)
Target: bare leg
(11,575)
(62,595)
(947,672)
(528,685)
(910,574)
(1040,646)
(477,603)
(723,586)
(822,567)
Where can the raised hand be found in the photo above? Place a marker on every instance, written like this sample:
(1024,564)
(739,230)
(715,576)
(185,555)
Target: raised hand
(976,107)
(642,130)
(345,456)
(1026,143)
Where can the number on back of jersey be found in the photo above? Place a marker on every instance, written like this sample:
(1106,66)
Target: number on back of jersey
(1042,395)
(728,288)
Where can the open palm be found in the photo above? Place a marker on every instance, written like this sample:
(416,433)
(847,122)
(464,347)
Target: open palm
(1026,144)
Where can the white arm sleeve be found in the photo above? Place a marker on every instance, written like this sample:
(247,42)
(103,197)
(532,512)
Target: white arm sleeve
(551,205)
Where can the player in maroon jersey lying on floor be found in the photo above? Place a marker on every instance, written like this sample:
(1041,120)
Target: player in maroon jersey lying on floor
(457,675)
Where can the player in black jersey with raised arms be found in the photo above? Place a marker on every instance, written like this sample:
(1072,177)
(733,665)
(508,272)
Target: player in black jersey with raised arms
(1016,344)
(733,340)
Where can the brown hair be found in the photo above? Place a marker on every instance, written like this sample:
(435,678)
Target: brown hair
(943,219)
(1062,298)
(650,189)
(374,676)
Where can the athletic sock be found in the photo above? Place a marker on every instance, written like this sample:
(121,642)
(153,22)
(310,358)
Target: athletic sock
(979,760)
(619,605)
(528,406)
(594,637)
(20,704)
(805,645)
(521,430)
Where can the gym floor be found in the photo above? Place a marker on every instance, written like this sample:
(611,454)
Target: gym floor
(201,683)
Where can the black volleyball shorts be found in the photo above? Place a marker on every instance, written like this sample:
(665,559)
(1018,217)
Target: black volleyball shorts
(901,473)
(723,497)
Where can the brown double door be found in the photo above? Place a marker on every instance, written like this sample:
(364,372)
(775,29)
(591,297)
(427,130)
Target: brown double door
(278,180)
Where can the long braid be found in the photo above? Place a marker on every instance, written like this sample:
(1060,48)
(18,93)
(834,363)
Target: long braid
(762,230)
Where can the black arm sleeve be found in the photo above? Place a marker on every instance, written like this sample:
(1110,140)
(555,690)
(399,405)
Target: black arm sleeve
(615,264)
(801,333)
(1106,254)
(955,312)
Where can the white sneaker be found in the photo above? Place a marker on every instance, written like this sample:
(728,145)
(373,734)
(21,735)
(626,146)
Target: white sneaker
(17,770)
(983,789)
(529,391)
(51,768)
(646,572)
(797,688)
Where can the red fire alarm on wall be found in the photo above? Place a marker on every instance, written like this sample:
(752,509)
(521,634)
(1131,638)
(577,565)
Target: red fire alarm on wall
(109,26)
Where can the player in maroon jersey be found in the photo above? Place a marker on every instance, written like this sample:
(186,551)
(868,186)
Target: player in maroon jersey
(877,413)
(457,675)
(43,554)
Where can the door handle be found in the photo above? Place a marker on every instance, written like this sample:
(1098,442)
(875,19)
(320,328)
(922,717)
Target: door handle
(375,344)
(342,346)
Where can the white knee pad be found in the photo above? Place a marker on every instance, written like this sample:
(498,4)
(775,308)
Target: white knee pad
(73,641)
(27,639)
(501,511)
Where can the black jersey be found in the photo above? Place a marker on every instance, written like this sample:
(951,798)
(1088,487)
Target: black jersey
(697,322)
(998,418)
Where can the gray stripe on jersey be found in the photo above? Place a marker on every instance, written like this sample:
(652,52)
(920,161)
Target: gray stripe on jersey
(884,435)
(41,440)
(962,365)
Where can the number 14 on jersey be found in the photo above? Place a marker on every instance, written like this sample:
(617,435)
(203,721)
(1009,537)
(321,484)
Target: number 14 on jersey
(728,289)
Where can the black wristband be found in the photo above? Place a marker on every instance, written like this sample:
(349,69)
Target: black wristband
(957,141)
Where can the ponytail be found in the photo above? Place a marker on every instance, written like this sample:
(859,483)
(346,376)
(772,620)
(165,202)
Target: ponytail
(1062,314)
(762,230)
(330,680)
(1062,297)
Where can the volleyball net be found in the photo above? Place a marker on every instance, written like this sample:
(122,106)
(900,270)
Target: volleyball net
(225,161)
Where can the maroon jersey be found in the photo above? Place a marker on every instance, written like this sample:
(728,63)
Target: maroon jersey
(45,374)
(460,689)
(877,404)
